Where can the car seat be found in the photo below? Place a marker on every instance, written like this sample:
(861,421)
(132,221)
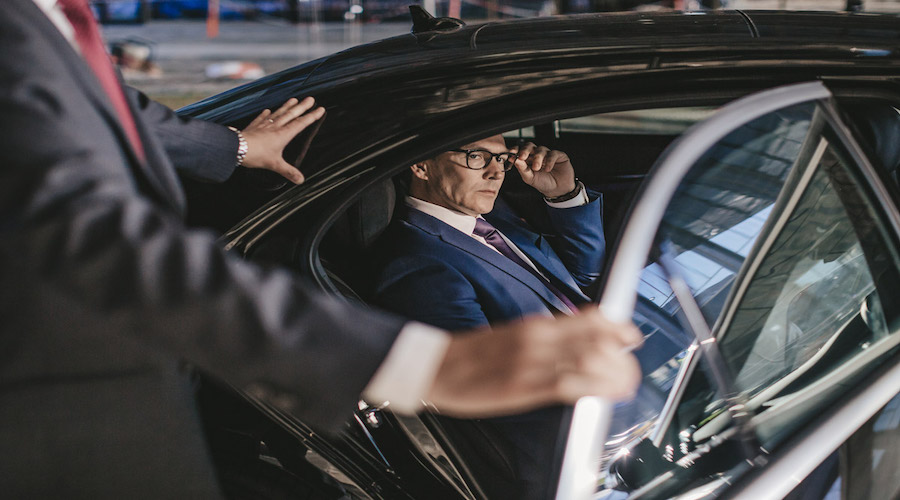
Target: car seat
(345,251)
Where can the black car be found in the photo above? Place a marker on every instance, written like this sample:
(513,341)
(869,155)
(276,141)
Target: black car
(748,165)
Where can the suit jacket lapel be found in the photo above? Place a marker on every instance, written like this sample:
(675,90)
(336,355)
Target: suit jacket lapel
(161,181)
(537,249)
(469,245)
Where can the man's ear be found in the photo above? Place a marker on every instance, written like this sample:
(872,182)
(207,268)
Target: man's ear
(420,170)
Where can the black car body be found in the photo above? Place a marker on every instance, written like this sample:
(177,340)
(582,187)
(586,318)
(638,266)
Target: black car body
(394,102)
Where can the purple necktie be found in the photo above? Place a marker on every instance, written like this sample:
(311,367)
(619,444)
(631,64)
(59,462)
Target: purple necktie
(490,234)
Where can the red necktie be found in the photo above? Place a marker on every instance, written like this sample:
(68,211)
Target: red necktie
(88,37)
(490,234)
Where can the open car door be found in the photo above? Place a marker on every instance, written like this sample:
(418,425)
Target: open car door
(763,244)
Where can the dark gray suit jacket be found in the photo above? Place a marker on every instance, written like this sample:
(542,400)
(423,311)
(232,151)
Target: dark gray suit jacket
(104,291)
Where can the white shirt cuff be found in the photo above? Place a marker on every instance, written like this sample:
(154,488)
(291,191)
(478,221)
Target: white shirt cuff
(406,374)
(581,199)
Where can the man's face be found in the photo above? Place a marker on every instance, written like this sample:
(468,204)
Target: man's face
(451,185)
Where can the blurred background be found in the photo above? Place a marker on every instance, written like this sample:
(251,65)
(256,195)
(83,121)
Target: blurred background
(181,51)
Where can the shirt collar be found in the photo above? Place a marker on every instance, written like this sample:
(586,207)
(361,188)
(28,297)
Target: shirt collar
(457,220)
(58,18)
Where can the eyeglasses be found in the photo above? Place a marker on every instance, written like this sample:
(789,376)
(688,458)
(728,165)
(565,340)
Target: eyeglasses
(477,159)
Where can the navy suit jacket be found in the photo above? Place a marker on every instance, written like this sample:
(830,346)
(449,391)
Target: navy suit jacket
(431,272)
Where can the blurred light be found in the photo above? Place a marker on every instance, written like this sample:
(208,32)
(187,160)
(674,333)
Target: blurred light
(356,9)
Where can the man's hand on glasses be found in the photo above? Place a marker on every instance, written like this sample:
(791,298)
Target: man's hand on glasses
(548,171)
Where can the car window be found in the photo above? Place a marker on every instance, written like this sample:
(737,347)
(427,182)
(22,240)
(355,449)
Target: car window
(654,121)
(791,265)
(711,226)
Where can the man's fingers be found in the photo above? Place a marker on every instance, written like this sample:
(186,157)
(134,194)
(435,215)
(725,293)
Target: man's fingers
(613,378)
(537,158)
(289,172)
(288,113)
(625,335)
(300,123)
(290,103)
(260,118)
(524,170)
(552,159)
(524,151)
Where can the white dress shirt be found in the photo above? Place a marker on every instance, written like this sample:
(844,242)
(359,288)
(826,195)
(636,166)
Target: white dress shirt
(59,19)
(465,224)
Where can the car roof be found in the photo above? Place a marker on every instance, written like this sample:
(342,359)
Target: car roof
(604,33)
(439,71)
(421,88)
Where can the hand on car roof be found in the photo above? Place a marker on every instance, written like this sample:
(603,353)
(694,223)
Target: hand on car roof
(269,133)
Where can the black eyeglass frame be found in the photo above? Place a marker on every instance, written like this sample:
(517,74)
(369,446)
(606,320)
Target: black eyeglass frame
(507,163)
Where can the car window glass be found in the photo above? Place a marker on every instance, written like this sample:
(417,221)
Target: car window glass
(711,225)
(802,315)
(789,262)
(655,121)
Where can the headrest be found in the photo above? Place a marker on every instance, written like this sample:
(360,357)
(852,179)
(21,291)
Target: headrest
(364,221)
(878,125)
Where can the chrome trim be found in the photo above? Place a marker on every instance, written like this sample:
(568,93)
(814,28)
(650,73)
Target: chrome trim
(434,454)
(678,387)
(592,414)
(372,441)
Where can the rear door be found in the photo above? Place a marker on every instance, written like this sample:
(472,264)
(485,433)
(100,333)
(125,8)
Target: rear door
(766,238)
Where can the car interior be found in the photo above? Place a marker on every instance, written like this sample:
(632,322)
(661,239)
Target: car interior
(611,154)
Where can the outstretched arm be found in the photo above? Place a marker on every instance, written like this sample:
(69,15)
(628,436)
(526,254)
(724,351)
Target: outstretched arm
(536,362)
(209,152)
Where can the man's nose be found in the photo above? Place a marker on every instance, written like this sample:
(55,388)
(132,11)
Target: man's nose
(494,169)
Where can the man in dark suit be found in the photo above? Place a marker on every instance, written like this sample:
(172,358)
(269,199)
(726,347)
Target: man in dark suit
(438,267)
(105,292)
(453,260)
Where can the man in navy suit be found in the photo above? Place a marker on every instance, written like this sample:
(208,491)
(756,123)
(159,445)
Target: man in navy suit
(437,268)
(453,260)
